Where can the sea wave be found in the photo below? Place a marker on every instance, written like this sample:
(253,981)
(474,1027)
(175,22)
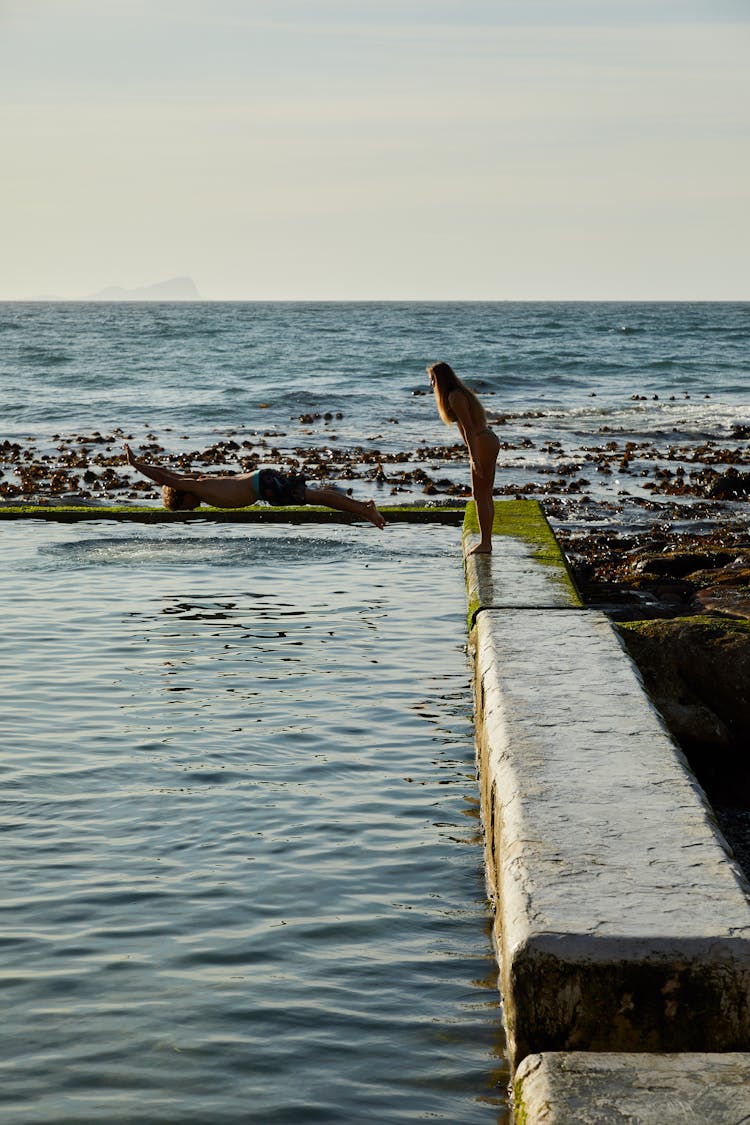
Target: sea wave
(33,355)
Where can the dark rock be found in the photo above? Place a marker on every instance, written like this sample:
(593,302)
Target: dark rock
(732,569)
(677,564)
(697,672)
(725,589)
(731,601)
(731,485)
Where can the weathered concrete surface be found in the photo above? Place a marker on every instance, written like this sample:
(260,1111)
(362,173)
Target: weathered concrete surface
(526,567)
(633,1089)
(621,922)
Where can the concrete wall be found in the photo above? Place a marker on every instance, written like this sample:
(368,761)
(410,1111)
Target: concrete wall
(580,1088)
(622,923)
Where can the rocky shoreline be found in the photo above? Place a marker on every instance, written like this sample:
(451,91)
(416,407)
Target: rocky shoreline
(705,469)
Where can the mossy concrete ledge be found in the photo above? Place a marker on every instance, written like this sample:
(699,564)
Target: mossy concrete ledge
(577,1088)
(526,567)
(621,922)
(256,513)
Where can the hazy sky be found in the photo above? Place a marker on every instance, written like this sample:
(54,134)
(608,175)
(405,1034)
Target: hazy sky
(393,149)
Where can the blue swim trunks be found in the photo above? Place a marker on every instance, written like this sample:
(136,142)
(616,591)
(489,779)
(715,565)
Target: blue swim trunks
(279,489)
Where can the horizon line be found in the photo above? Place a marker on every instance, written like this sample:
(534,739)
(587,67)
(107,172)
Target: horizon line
(367,300)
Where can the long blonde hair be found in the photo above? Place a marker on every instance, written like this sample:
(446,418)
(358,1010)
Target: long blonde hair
(444,383)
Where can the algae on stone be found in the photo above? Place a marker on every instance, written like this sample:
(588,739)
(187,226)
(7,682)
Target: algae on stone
(307,513)
(524,521)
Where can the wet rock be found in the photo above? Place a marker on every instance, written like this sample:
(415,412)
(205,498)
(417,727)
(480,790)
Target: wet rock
(676,564)
(726,589)
(731,485)
(732,569)
(730,601)
(697,672)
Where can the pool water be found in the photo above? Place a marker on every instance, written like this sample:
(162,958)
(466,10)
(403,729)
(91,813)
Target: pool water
(239,838)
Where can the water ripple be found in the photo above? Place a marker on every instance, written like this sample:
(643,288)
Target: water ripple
(239,832)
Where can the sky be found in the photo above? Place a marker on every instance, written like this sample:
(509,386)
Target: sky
(385,150)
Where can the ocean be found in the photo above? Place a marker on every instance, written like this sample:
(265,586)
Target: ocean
(240,835)
(336,389)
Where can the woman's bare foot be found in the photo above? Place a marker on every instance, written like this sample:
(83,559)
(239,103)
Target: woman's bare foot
(480,549)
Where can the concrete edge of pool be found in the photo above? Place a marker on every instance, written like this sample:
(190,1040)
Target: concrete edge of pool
(622,923)
(394,513)
(583,1088)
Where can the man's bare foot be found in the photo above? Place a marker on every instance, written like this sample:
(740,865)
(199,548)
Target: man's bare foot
(479,550)
(373,515)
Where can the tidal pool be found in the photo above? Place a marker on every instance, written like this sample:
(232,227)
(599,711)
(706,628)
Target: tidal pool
(240,843)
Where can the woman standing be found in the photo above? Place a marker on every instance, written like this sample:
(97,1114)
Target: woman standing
(456,403)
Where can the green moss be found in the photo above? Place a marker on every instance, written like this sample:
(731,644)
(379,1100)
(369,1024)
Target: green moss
(520,1116)
(257,513)
(715,625)
(473,609)
(524,520)
(15,511)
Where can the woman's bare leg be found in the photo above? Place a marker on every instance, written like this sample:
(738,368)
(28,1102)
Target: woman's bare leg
(329,498)
(481,488)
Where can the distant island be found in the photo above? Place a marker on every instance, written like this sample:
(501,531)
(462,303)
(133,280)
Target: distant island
(176,289)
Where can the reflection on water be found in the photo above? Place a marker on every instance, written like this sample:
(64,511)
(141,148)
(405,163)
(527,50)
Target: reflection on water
(240,834)
(253,545)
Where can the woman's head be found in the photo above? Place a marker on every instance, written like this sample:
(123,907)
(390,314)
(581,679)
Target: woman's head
(444,380)
(178,500)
